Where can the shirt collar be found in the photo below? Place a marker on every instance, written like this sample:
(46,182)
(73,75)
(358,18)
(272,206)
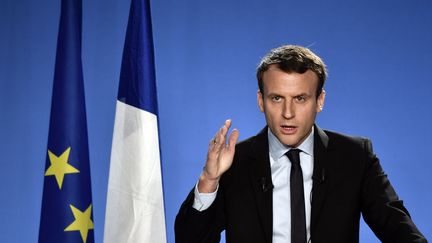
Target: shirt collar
(278,149)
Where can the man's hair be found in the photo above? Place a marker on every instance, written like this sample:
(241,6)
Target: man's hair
(291,58)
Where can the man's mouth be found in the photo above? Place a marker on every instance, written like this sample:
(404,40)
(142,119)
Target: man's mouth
(288,130)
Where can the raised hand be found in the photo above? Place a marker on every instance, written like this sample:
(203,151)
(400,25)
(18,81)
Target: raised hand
(219,158)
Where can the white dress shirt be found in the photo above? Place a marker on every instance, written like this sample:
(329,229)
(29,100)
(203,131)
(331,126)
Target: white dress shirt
(280,172)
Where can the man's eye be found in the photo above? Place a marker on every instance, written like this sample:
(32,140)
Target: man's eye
(276,98)
(300,98)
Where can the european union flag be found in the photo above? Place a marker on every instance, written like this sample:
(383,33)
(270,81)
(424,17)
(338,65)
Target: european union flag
(66,214)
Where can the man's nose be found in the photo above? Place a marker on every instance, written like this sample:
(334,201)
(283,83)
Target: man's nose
(288,109)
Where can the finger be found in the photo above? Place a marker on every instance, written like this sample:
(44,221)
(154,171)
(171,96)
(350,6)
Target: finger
(220,137)
(233,139)
(223,135)
(228,123)
(215,140)
(225,129)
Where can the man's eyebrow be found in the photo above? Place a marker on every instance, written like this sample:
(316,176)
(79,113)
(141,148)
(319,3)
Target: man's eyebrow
(273,94)
(298,95)
(303,94)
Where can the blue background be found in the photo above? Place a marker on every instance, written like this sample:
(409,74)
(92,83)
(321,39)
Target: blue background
(378,54)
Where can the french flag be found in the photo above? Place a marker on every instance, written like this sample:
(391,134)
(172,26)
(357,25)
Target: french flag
(135,205)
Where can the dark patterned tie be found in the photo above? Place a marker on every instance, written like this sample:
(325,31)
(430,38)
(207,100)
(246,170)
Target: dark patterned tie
(298,215)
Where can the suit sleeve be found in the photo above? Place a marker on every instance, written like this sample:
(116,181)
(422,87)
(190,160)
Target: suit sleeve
(382,210)
(193,226)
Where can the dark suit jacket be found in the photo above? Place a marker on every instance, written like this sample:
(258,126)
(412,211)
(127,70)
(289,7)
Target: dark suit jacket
(347,181)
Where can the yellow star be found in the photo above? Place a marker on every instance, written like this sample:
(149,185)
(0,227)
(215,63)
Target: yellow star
(82,223)
(59,166)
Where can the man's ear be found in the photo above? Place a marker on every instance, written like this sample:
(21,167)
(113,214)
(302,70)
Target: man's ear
(320,101)
(260,101)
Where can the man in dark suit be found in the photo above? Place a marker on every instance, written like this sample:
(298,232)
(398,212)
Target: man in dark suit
(293,182)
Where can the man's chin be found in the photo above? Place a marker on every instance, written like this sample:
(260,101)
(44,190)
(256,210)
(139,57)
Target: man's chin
(293,143)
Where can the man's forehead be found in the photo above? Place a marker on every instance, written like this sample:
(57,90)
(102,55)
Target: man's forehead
(311,74)
(274,80)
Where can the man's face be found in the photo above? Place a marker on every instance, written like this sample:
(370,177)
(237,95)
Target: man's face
(290,104)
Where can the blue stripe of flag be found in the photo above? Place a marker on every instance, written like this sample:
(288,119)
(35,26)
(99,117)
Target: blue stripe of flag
(137,76)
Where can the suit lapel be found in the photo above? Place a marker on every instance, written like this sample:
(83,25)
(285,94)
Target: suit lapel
(320,172)
(260,178)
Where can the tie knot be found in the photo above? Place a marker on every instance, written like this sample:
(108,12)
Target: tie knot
(294,156)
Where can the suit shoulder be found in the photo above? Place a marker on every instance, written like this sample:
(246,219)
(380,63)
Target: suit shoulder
(348,141)
(246,144)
